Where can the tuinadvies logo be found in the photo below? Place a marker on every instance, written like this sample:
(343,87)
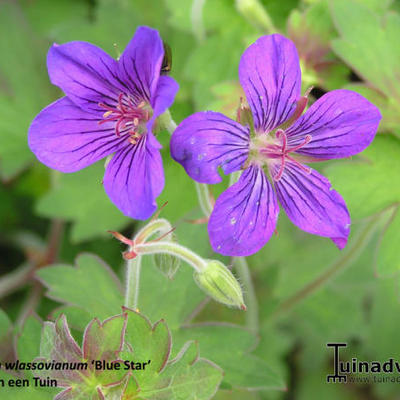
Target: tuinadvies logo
(344,368)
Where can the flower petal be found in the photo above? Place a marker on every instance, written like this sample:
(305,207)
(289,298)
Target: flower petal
(86,74)
(270,75)
(244,216)
(312,204)
(66,138)
(163,97)
(208,140)
(140,63)
(134,177)
(341,123)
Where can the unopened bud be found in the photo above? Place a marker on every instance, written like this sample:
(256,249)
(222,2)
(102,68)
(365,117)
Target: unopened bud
(167,264)
(219,283)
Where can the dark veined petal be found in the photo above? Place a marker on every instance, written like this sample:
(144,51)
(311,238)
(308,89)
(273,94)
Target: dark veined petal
(341,123)
(134,177)
(312,204)
(270,75)
(208,140)
(163,97)
(140,64)
(66,138)
(86,74)
(244,216)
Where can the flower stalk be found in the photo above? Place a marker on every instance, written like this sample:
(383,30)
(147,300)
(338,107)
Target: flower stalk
(205,200)
(174,249)
(243,272)
(132,282)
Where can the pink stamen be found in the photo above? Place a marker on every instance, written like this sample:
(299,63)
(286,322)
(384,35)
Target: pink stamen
(299,164)
(306,140)
(282,152)
(127,116)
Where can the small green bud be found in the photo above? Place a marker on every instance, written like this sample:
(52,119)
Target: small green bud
(167,264)
(219,283)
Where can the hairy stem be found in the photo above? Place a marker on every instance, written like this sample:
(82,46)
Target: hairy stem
(205,201)
(132,282)
(161,226)
(336,267)
(166,121)
(243,272)
(174,249)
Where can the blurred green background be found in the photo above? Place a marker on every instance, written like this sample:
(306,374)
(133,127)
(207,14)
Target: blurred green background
(309,293)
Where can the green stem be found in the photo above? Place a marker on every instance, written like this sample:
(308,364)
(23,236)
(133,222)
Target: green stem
(132,282)
(203,194)
(166,121)
(161,226)
(243,272)
(174,249)
(15,279)
(336,267)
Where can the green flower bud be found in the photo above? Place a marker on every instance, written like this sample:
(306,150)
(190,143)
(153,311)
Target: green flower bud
(167,264)
(219,283)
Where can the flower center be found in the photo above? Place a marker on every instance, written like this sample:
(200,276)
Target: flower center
(279,151)
(129,118)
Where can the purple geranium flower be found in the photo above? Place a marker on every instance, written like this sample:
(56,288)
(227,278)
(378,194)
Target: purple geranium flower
(110,107)
(271,150)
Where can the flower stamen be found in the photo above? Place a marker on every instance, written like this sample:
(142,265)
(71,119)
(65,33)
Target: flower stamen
(282,152)
(128,116)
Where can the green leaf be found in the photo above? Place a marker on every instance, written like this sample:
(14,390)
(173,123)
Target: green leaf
(80,197)
(102,341)
(371,185)
(387,257)
(24,87)
(90,285)
(29,340)
(48,339)
(24,393)
(183,378)
(366,40)
(229,346)
(382,326)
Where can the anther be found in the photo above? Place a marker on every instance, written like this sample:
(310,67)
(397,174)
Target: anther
(126,115)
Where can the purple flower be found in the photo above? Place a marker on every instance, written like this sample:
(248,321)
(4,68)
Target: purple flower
(271,151)
(110,107)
